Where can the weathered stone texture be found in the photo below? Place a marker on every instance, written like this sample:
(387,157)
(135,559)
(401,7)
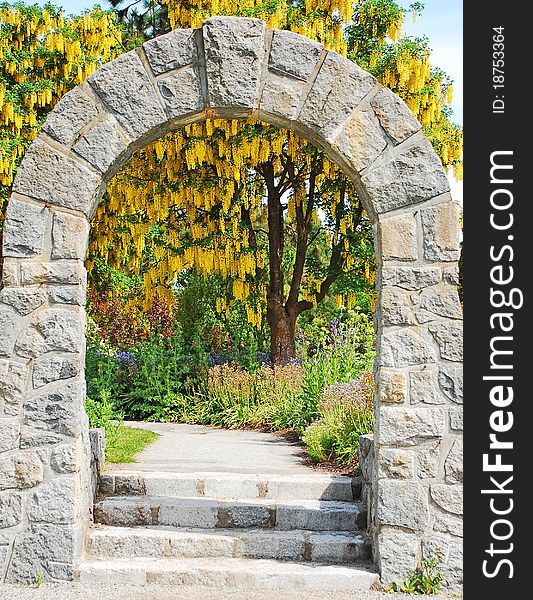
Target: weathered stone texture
(23,300)
(20,472)
(25,226)
(398,237)
(454,463)
(428,462)
(171,51)
(102,144)
(9,434)
(448,497)
(423,388)
(414,175)
(404,348)
(71,114)
(234,54)
(396,463)
(10,509)
(403,504)
(70,236)
(53,369)
(451,382)
(410,426)
(53,502)
(126,90)
(410,278)
(63,459)
(67,294)
(449,337)
(394,115)
(281,96)
(338,88)
(456,418)
(64,273)
(182,92)
(293,54)
(440,225)
(391,386)
(443,303)
(13,379)
(398,554)
(47,174)
(396,307)
(10,325)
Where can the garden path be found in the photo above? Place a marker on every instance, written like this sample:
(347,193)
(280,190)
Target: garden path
(195,448)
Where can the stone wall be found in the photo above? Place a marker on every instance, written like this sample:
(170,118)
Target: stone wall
(230,68)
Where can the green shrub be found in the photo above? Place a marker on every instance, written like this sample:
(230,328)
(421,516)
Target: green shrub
(346,413)
(426,579)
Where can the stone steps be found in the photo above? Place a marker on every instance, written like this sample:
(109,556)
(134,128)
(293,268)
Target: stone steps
(207,513)
(227,572)
(316,486)
(297,545)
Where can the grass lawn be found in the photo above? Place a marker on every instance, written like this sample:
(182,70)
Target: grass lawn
(123,443)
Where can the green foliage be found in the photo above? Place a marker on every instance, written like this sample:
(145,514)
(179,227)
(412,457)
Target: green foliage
(426,579)
(128,442)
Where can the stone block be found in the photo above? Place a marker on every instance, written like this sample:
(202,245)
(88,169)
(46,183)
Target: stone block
(449,337)
(22,471)
(53,502)
(293,54)
(127,92)
(63,458)
(270,545)
(331,516)
(412,176)
(402,504)
(361,139)
(338,88)
(394,115)
(172,51)
(234,54)
(398,553)
(453,465)
(448,523)
(244,515)
(70,235)
(443,303)
(9,434)
(404,348)
(281,97)
(428,462)
(391,386)
(451,383)
(24,228)
(396,307)
(190,513)
(23,300)
(52,369)
(49,175)
(10,326)
(63,294)
(410,426)
(398,238)
(13,379)
(456,418)
(57,411)
(182,92)
(103,144)
(62,273)
(10,509)
(423,387)
(440,225)
(10,272)
(396,463)
(448,497)
(71,114)
(410,277)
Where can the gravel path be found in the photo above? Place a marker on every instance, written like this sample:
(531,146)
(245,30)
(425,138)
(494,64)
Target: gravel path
(73,591)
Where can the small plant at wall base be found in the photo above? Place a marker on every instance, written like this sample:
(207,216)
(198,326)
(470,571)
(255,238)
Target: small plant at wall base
(426,579)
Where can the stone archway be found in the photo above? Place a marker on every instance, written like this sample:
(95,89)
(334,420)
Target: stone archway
(231,68)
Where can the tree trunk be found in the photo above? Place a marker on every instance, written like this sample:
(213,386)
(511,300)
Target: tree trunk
(282,331)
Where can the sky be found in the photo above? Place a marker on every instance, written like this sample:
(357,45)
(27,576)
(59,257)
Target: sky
(441,22)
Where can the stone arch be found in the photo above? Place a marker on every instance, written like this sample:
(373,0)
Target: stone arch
(230,68)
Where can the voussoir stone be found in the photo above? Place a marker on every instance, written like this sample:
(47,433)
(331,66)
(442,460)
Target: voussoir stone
(281,96)
(182,92)
(24,300)
(57,411)
(448,497)
(293,54)
(410,426)
(338,88)
(394,115)
(70,235)
(449,337)
(13,378)
(24,228)
(403,504)
(53,369)
(412,176)
(404,348)
(49,175)
(361,140)
(398,237)
(234,54)
(102,144)
(440,225)
(9,434)
(126,90)
(10,326)
(171,51)
(71,114)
